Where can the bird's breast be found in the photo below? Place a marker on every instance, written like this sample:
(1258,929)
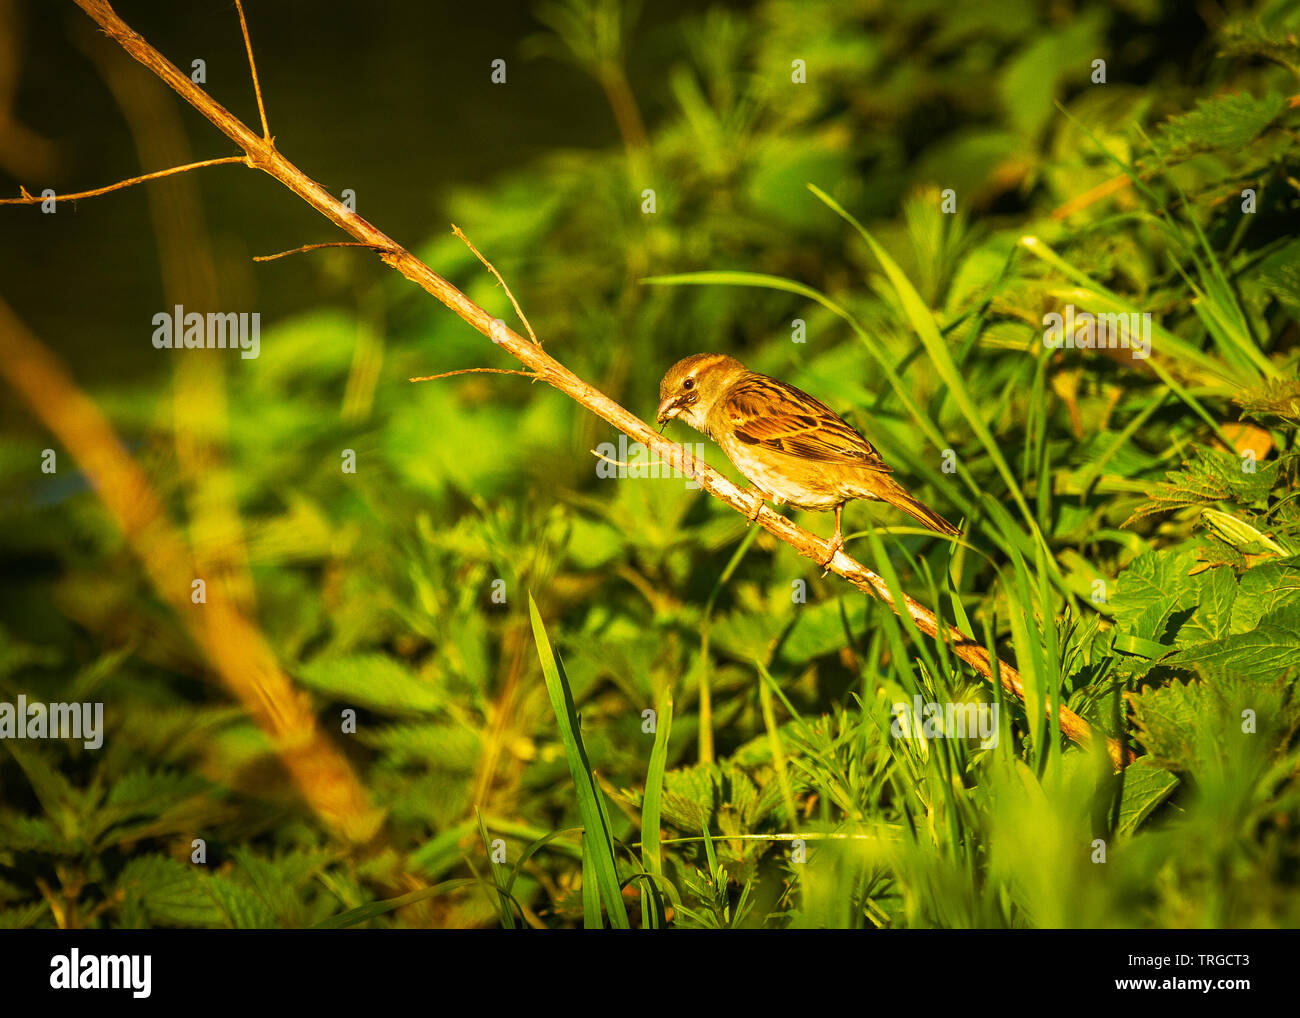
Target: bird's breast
(804,484)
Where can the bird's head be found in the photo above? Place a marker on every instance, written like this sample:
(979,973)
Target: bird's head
(691,386)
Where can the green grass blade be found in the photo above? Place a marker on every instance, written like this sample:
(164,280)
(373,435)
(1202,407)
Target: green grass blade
(927,331)
(651,853)
(651,806)
(371,909)
(502,896)
(598,842)
(591,890)
(532,848)
(774,740)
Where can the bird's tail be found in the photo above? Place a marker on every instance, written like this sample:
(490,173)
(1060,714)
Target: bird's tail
(886,489)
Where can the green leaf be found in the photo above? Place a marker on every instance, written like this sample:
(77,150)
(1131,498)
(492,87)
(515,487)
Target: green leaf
(241,908)
(374,681)
(591,917)
(651,852)
(1269,650)
(1225,123)
(502,897)
(689,797)
(1279,274)
(1029,82)
(370,910)
(1223,733)
(1146,786)
(1164,717)
(158,890)
(277,882)
(1208,478)
(819,629)
(598,841)
(147,790)
(1246,37)
(653,913)
(1275,397)
(1149,591)
(1216,592)
(1268,588)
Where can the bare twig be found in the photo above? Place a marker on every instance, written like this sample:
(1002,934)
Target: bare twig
(32,199)
(263,155)
(690,458)
(493,269)
(607,459)
(476,371)
(314,247)
(252,66)
(1093,195)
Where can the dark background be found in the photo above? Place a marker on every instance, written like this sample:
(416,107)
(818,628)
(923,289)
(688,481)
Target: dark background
(393,100)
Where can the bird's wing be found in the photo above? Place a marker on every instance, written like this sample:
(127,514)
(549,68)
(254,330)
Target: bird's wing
(767,413)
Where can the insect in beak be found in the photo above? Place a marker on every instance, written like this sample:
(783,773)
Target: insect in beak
(667,410)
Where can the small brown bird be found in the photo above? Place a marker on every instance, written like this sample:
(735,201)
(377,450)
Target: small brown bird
(793,448)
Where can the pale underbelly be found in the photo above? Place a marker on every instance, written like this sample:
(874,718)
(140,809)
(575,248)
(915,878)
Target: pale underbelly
(799,483)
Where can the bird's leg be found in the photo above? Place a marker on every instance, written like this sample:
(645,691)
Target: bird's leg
(837,540)
(758,495)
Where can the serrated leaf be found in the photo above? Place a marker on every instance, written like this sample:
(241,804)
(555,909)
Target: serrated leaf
(1149,591)
(1268,588)
(152,789)
(32,834)
(1164,717)
(240,906)
(1216,592)
(688,797)
(24,916)
(375,681)
(276,881)
(1146,786)
(159,890)
(1279,274)
(1275,397)
(454,748)
(1208,478)
(1225,123)
(1265,652)
(1223,732)
(1246,37)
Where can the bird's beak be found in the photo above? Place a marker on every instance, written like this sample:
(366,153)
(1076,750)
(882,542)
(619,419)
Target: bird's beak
(668,410)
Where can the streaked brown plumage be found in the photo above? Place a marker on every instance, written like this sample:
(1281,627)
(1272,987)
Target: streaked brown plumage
(792,447)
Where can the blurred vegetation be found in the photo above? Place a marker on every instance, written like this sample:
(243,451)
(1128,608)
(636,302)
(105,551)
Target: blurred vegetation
(1119,549)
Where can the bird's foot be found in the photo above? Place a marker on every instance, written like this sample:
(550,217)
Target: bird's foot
(837,542)
(758,497)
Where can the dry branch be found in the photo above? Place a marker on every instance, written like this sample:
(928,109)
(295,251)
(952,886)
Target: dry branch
(261,154)
(26,198)
(312,247)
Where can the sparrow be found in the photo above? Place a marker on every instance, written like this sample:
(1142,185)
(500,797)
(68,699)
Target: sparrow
(793,448)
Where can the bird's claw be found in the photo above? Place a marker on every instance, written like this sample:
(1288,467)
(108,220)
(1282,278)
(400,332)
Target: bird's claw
(836,543)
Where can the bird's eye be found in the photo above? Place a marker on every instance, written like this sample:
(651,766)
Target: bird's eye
(689,383)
